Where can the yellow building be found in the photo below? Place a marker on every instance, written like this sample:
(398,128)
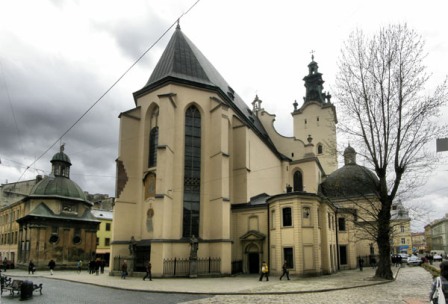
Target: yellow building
(104,234)
(196,163)
(10,211)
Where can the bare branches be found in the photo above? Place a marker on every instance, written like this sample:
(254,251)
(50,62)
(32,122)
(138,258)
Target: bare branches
(381,87)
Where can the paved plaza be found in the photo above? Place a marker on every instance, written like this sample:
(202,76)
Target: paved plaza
(412,285)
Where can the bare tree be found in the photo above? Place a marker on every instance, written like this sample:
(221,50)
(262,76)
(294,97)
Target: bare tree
(381,86)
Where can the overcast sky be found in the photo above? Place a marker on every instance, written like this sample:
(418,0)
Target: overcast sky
(58,57)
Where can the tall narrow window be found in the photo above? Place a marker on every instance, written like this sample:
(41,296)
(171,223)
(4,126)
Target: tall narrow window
(192,172)
(341,223)
(287,217)
(153,142)
(288,256)
(298,181)
(343,255)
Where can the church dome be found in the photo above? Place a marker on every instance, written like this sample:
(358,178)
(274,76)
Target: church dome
(59,183)
(351,180)
(58,186)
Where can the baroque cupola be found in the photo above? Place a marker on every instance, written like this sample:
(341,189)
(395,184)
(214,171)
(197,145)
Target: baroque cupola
(61,164)
(58,183)
(314,84)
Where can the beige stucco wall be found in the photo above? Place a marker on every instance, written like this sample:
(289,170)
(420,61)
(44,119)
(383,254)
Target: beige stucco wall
(235,165)
(309,236)
(319,121)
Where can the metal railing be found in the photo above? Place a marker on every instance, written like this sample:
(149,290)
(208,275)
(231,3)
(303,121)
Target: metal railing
(178,267)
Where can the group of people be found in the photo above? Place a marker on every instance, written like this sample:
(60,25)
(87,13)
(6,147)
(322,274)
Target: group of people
(95,266)
(124,270)
(396,260)
(372,262)
(265,271)
(32,266)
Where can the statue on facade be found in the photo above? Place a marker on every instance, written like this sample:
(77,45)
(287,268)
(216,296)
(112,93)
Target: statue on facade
(194,247)
(132,246)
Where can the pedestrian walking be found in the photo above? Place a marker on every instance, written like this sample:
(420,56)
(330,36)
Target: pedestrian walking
(285,271)
(372,262)
(102,265)
(51,265)
(264,271)
(148,272)
(361,263)
(439,290)
(31,267)
(124,270)
(79,266)
(91,267)
(97,266)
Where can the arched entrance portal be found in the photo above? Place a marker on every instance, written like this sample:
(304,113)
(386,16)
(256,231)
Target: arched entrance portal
(252,244)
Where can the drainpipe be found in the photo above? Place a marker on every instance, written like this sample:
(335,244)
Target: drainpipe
(269,237)
(337,239)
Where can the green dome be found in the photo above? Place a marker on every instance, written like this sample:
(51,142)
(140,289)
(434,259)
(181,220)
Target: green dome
(58,186)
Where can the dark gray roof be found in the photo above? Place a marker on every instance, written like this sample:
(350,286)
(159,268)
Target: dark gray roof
(182,62)
(350,181)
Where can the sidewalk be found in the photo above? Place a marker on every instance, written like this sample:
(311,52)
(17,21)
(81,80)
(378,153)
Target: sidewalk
(235,285)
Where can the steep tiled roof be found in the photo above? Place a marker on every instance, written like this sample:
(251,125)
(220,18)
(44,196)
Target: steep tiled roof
(182,62)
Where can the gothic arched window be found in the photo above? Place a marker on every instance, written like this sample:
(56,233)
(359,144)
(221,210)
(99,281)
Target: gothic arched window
(192,172)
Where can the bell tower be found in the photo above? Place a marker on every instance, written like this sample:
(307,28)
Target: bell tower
(316,119)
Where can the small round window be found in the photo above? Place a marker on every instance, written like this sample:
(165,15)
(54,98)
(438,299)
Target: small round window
(54,239)
(76,239)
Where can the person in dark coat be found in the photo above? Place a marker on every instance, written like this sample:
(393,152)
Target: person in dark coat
(285,270)
(124,270)
(148,272)
(51,265)
(102,265)
(91,267)
(31,267)
(361,263)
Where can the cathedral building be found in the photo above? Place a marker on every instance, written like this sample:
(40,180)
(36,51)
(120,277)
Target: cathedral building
(196,162)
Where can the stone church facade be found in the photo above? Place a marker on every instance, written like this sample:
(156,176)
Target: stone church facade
(195,160)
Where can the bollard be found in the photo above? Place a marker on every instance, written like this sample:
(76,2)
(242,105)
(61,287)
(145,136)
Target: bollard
(26,290)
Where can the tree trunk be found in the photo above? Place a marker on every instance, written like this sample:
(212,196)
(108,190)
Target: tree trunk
(384,270)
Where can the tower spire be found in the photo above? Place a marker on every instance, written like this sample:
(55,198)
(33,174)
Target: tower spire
(314,83)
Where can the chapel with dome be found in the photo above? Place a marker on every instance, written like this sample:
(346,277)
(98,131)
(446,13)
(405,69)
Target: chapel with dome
(55,220)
